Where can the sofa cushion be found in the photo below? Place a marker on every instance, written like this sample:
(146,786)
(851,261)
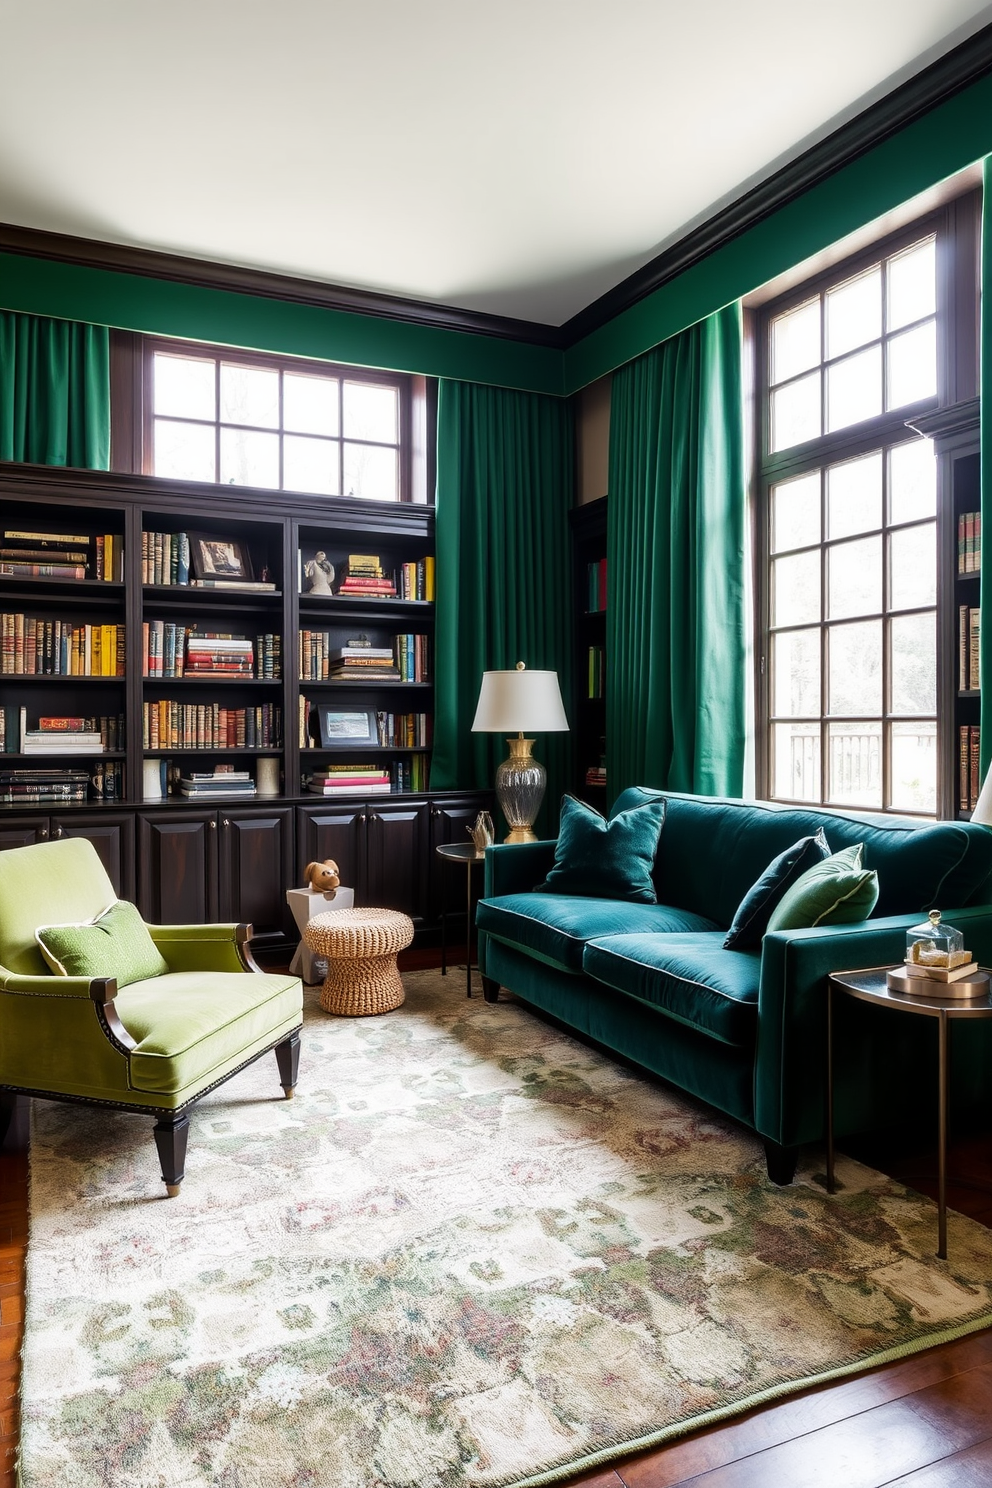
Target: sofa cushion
(116,944)
(837,891)
(606,859)
(555,927)
(751,920)
(690,977)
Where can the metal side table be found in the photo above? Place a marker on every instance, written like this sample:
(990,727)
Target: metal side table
(870,986)
(460,852)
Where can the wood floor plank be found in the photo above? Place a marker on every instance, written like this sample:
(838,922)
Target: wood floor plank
(971,1468)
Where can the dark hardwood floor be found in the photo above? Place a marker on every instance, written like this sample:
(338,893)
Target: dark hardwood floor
(924,1422)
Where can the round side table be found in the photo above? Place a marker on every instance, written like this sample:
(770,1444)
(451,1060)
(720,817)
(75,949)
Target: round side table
(460,852)
(360,946)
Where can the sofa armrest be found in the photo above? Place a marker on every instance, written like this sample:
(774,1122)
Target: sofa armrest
(221,947)
(790,1057)
(515,867)
(58,986)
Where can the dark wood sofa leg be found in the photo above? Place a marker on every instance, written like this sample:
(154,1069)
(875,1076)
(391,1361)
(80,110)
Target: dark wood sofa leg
(288,1060)
(490,989)
(781,1162)
(171,1136)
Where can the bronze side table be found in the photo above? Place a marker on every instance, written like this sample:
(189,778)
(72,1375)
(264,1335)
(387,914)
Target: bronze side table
(460,852)
(870,986)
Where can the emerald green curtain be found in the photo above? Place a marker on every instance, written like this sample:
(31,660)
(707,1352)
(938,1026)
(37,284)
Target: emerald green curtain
(54,391)
(675,553)
(985,639)
(504,491)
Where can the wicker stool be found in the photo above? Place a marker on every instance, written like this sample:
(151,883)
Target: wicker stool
(360,946)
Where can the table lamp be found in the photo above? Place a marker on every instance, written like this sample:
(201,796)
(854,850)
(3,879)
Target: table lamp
(529,702)
(983,806)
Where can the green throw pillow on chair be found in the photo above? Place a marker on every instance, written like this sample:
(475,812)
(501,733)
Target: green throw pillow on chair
(600,859)
(837,891)
(117,944)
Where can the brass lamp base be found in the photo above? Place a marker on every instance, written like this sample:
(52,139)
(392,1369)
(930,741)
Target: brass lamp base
(520,783)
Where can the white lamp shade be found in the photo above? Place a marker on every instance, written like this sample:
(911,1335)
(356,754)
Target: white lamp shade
(983,806)
(520,701)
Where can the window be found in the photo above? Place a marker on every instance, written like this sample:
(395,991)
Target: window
(295,426)
(848,532)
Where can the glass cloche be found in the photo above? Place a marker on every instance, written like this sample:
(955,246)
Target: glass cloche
(935,943)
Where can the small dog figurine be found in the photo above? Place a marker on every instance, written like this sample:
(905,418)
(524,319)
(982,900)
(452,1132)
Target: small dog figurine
(323,876)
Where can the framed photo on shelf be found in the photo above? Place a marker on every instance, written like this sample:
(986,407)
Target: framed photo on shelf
(346,728)
(225,558)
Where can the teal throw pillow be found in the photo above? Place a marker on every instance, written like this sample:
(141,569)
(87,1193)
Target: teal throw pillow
(837,891)
(754,910)
(115,945)
(600,859)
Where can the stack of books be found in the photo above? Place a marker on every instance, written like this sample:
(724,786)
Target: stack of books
(362,577)
(211,654)
(60,555)
(368,780)
(61,736)
(219,785)
(361,664)
(34,787)
(596,775)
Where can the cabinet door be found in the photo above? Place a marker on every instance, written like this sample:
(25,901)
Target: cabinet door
(177,867)
(113,838)
(256,868)
(450,821)
(336,832)
(399,849)
(23,831)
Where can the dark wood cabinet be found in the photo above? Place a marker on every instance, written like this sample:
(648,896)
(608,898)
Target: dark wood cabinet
(177,867)
(112,834)
(450,821)
(336,832)
(255,851)
(23,831)
(398,842)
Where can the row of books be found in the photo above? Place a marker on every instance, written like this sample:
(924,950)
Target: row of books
(969,766)
(404,730)
(219,784)
(359,661)
(61,555)
(170,650)
(104,781)
(32,647)
(164,558)
(596,586)
(969,542)
(416,580)
(596,681)
(168,724)
(969,648)
(167,558)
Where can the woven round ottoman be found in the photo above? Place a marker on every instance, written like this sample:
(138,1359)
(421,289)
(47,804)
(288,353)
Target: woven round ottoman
(360,946)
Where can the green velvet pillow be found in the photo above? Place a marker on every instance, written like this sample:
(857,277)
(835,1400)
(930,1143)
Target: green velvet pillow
(600,859)
(115,945)
(837,891)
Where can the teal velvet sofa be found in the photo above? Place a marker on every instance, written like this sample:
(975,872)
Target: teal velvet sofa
(744,1030)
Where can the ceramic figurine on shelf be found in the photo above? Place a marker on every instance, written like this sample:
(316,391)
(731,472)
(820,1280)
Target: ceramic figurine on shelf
(319,574)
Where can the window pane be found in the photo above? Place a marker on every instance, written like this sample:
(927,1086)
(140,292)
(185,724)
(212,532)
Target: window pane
(796,341)
(309,404)
(854,313)
(913,659)
(914,766)
(184,451)
(183,387)
(796,513)
(912,366)
(854,755)
(248,458)
(854,677)
(912,481)
(796,412)
(854,496)
(370,472)
(912,287)
(796,673)
(310,465)
(371,413)
(796,761)
(913,567)
(854,578)
(249,395)
(854,389)
(796,589)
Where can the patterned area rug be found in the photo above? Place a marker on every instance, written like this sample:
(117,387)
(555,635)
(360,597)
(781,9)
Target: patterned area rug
(471,1251)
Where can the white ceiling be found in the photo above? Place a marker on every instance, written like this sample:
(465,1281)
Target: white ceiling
(514,156)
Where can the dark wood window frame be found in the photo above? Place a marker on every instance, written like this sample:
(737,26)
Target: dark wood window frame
(956,227)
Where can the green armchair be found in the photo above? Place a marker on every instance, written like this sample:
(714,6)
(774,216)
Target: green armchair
(154,1046)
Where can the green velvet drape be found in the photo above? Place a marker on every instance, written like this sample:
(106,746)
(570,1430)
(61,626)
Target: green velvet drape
(985,641)
(54,391)
(504,490)
(675,683)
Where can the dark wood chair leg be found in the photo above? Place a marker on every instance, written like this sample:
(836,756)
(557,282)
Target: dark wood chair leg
(490,989)
(781,1163)
(171,1136)
(288,1060)
(15,1115)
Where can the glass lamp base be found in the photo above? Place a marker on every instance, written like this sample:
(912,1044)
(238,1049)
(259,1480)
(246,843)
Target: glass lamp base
(520,783)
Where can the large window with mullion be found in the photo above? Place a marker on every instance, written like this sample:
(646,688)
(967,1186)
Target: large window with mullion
(848,517)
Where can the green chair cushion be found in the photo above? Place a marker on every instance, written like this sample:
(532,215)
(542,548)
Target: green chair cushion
(116,944)
(837,891)
(192,1027)
(753,912)
(555,927)
(690,977)
(606,859)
